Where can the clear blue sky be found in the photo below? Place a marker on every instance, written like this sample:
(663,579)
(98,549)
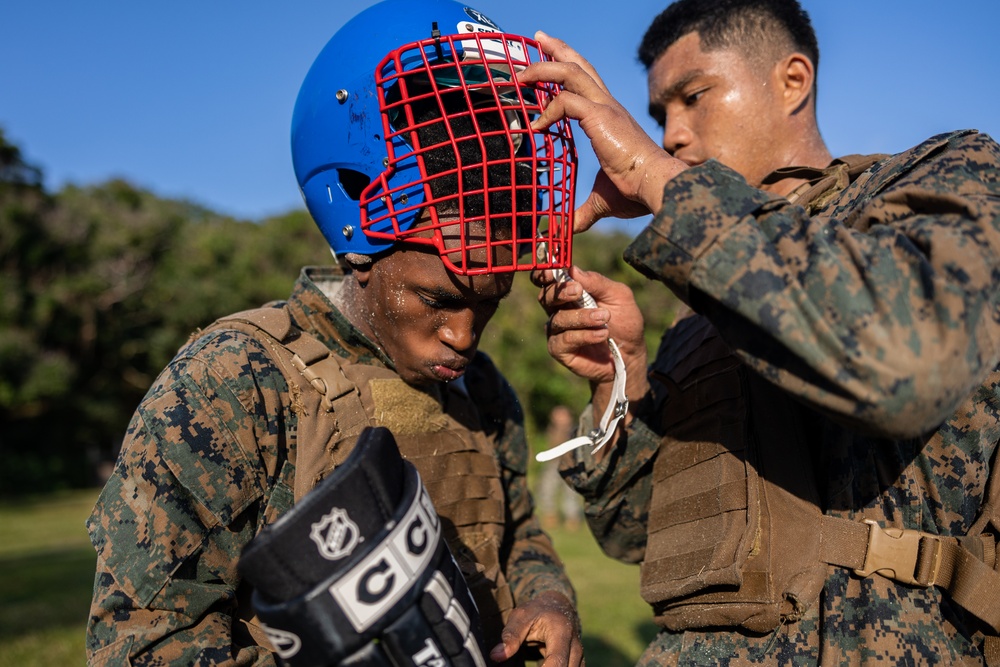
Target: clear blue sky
(193,99)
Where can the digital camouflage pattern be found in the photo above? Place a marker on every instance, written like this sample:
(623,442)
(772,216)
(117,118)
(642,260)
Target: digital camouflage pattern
(207,462)
(877,310)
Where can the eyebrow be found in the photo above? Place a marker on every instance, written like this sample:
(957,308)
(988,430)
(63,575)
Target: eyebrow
(655,109)
(679,85)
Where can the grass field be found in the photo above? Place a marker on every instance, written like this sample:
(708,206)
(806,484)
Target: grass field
(46,577)
(47,570)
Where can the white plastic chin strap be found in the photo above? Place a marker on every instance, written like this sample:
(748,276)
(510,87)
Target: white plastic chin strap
(617,406)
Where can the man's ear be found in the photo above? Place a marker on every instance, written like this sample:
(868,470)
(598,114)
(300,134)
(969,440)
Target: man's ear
(363,273)
(796,76)
(359,267)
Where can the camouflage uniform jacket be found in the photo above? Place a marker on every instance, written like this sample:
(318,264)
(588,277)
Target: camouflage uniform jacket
(204,467)
(877,312)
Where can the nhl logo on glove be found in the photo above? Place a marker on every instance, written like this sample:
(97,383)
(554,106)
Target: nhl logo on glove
(335,535)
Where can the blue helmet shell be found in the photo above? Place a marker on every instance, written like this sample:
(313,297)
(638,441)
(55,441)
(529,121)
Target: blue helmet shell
(337,133)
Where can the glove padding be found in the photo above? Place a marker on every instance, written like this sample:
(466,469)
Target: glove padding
(356,573)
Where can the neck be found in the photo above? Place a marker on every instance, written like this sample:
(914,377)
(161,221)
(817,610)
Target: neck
(346,299)
(808,151)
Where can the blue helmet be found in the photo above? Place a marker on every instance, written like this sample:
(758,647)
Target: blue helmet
(373,173)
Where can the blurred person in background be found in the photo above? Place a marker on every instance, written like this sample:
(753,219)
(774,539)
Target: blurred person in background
(558,504)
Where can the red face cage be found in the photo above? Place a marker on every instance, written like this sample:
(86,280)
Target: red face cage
(465,172)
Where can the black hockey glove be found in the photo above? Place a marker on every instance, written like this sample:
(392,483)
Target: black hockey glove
(357,573)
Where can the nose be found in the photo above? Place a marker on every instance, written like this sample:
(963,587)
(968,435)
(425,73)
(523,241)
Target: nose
(459,331)
(676,134)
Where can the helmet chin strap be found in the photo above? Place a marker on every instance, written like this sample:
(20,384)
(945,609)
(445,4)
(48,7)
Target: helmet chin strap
(617,406)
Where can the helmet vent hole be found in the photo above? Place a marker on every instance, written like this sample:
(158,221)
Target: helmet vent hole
(353,182)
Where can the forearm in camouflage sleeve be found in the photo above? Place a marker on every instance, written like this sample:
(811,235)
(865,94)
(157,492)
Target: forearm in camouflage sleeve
(184,499)
(120,633)
(533,564)
(845,308)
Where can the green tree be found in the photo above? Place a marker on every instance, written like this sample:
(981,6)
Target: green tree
(101,285)
(32,375)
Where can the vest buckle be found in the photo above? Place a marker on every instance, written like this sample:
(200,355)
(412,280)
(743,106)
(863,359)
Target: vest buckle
(326,376)
(902,554)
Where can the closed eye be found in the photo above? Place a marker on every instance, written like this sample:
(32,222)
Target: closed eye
(690,99)
(440,302)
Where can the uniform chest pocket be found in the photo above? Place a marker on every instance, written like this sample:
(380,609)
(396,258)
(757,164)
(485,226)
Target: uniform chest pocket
(182,477)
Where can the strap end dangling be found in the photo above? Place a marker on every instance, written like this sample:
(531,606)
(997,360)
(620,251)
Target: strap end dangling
(568,446)
(618,405)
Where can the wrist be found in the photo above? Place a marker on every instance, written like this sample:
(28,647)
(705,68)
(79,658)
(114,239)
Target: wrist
(655,178)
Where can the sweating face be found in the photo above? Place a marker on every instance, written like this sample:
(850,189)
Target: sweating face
(716,104)
(425,318)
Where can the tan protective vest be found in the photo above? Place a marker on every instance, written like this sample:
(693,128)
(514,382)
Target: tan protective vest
(736,536)
(440,433)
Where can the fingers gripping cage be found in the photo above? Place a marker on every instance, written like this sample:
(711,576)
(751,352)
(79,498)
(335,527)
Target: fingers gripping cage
(462,156)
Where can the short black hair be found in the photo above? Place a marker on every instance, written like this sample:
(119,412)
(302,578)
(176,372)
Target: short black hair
(758,28)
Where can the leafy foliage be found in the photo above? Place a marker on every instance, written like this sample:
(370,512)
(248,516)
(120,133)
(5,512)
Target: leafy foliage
(102,284)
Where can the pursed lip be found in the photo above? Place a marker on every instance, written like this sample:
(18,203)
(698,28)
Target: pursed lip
(449,371)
